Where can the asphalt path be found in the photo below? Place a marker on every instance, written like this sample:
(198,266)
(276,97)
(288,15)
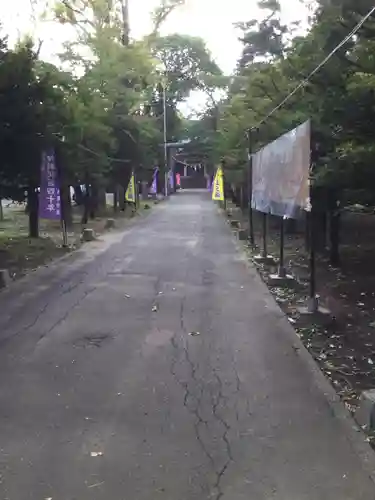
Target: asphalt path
(154,364)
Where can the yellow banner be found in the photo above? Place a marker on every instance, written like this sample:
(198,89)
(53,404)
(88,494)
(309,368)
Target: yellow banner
(218,186)
(130,192)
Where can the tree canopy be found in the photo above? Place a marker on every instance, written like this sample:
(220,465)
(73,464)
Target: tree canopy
(102,107)
(339,98)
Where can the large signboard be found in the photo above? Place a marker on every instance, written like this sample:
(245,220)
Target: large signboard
(281,174)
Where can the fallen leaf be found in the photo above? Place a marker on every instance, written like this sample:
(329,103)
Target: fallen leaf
(291,320)
(154,308)
(330,366)
(194,334)
(96,454)
(370,361)
(95,485)
(127,296)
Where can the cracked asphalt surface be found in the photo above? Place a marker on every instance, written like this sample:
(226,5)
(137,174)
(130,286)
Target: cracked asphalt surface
(105,394)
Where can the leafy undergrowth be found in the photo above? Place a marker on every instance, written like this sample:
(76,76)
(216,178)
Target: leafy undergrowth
(20,254)
(344,343)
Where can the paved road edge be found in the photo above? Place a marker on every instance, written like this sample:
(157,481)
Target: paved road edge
(85,248)
(355,435)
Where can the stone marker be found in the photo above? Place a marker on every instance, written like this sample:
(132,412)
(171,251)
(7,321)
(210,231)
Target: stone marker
(365,413)
(235,223)
(267,260)
(4,278)
(281,281)
(88,234)
(110,223)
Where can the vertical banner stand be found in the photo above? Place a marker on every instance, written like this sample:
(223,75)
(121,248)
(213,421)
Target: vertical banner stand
(250,188)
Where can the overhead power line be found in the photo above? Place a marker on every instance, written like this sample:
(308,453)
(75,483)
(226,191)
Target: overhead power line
(325,60)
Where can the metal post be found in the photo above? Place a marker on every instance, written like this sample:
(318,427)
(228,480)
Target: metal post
(165,141)
(313,303)
(62,198)
(225,200)
(250,189)
(136,198)
(281,270)
(264,220)
(64,233)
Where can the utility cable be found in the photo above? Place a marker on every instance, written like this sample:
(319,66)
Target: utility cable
(325,60)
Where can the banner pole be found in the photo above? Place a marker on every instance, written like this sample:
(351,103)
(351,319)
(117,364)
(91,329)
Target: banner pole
(136,197)
(264,251)
(62,197)
(64,233)
(250,188)
(225,200)
(313,302)
(281,270)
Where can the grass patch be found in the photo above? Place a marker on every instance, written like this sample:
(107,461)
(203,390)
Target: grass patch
(19,253)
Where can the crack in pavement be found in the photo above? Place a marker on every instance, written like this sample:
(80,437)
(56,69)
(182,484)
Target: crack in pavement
(70,282)
(196,393)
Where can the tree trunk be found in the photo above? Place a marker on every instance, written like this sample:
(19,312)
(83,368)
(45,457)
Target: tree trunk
(290,226)
(334,229)
(121,200)
(33,205)
(66,205)
(78,195)
(307,231)
(86,206)
(144,190)
(241,198)
(100,201)
(1,210)
(115,198)
(321,231)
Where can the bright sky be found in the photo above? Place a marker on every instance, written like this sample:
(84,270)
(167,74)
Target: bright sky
(210,19)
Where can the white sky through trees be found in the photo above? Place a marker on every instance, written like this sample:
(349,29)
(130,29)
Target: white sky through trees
(210,19)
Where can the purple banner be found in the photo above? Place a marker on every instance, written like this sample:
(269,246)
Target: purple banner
(154,184)
(49,197)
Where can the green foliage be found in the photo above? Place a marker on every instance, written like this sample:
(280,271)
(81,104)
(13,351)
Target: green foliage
(102,109)
(339,99)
